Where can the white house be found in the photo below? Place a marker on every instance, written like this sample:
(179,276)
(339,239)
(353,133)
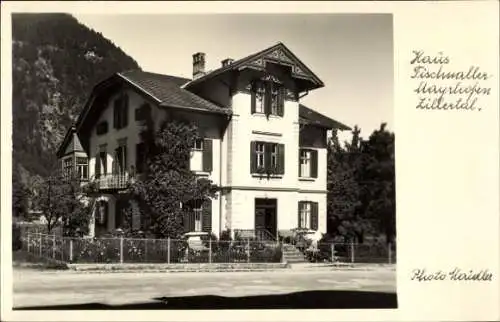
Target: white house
(264,148)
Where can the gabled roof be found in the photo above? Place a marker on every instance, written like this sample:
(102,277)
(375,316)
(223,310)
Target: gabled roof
(309,116)
(278,52)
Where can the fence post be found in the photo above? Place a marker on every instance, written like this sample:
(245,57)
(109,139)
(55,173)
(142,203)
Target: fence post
(28,242)
(210,251)
(333,252)
(121,249)
(71,250)
(390,254)
(168,250)
(146,250)
(352,252)
(54,246)
(248,250)
(41,240)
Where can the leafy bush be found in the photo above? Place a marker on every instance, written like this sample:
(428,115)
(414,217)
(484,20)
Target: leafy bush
(16,237)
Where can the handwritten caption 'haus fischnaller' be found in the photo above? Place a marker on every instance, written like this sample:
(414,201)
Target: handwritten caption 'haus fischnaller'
(442,88)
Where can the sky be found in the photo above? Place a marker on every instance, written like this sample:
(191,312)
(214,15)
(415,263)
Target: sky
(351,53)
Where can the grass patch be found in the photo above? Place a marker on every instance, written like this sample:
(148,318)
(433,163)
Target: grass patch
(27,260)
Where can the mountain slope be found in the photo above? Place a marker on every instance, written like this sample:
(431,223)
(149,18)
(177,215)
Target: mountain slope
(55,63)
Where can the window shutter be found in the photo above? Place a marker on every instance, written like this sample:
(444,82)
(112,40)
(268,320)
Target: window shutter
(186,221)
(115,165)
(314,163)
(268,98)
(300,171)
(253,98)
(116,107)
(139,157)
(206,219)
(298,212)
(253,157)
(125,161)
(267,155)
(314,215)
(97,165)
(207,155)
(281,101)
(125,110)
(281,159)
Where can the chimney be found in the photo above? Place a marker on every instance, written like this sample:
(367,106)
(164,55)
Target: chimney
(227,62)
(198,65)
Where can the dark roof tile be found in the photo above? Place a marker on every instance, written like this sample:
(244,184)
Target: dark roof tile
(309,116)
(166,89)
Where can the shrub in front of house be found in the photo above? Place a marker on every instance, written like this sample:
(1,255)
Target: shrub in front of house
(17,243)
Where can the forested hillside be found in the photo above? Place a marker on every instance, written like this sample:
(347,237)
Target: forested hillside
(56,61)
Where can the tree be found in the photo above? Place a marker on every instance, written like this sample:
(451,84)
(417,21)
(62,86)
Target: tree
(167,184)
(20,195)
(64,202)
(378,177)
(344,220)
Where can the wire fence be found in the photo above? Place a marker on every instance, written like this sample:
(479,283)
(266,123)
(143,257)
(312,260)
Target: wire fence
(135,250)
(131,250)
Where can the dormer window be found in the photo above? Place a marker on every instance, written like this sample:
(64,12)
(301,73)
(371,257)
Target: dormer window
(268,98)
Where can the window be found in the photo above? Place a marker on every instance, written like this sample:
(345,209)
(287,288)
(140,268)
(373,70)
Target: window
(120,112)
(268,98)
(142,112)
(198,145)
(305,215)
(120,160)
(308,215)
(198,219)
(101,164)
(102,128)
(308,163)
(305,163)
(82,167)
(260,151)
(267,157)
(67,167)
(274,156)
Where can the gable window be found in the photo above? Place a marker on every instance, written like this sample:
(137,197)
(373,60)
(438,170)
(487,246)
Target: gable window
(308,215)
(268,98)
(267,157)
(308,163)
(82,168)
(120,112)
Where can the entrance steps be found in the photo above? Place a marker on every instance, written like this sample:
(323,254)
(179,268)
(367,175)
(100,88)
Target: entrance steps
(292,255)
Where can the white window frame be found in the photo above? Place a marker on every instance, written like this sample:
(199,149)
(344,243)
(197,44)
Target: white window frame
(305,215)
(198,219)
(274,99)
(82,168)
(274,155)
(305,163)
(261,156)
(67,166)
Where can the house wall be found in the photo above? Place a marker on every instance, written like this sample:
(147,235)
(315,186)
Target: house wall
(288,189)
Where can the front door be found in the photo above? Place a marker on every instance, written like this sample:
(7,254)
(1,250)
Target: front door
(266,216)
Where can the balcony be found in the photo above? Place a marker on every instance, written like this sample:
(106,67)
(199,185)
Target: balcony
(113,181)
